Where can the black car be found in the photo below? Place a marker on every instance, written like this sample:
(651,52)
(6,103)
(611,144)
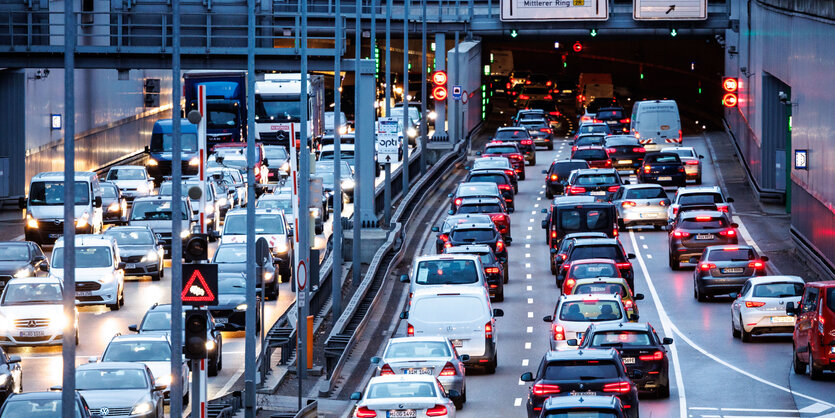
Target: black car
(499,85)
(443,231)
(473,189)
(508,150)
(230,311)
(583,406)
(662,168)
(639,347)
(231,258)
(12,375)
(625,152)
(615,117)
(568,216)
(277,162)
(602,183)
(559,254)
(724,269)
(556,176)
(114,206)
(694,231)
(500,178)
(494,271)
(522,138)
(608,248)
(21,259)
(469,233)
(48,405)
(584,372)
(540,131)
(497,163)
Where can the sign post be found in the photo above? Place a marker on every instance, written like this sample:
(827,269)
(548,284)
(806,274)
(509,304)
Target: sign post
(554,10)
(202,154)
(200,289)
(388,143)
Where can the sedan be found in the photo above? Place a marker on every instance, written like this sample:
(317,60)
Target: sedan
(556,176)
(662,168)
(626,152)
(21,259)
(405,395)
(432,356)
(487,205)
(230,311)
(443,231)
(641,204)
(540,131)
(723,269)
(694,231)
(520,137)
(114,205)
(566,406)
(11,375)
(118,388)
(510,151)
(574,313)
(140,250)
(608,286)
(497,163)
(692,161)
(760,307)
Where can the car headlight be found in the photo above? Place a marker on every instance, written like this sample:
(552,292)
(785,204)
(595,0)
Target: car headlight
(107,278)
(31,222)
(151,256)
(316,212)
(268,276)
(83,220)
(241,307)
(114,207)
(185,233)
(281,248)
(142,408)
(285,167)
(432,115)
(348,184)
(412,132)
(210,345)
(343,130)
(152,162)
(194,162)
(24,272)
(164,380)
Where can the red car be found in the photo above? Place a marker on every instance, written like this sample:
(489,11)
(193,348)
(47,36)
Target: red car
(596,156)
(510,151)
(813,340)
(492,206)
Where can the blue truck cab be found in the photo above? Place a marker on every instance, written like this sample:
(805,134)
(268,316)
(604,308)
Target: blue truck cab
(160,150)
(225,102)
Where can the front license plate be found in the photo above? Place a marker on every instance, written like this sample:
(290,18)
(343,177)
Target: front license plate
(629,360)
(130,266)
(221,320)
(422,370)
(32,333)
(457,343)
(54,235)
(665,178)
(598,193)
(586,393)
(704,236)
(84,293)
(733,270)
(625,162)
(782,319)
(400,413)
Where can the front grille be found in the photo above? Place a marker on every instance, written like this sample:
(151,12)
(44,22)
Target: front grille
(33,339)
(51,227)
(132,259)
(87,286)
(89,298)
(31,323)
(111,412)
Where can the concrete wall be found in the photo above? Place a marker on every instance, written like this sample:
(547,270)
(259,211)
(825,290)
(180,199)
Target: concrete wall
(796,49)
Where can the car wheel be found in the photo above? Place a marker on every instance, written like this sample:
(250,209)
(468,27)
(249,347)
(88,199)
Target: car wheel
(161,271)
(745,336)
(156,276)
(506,277)
(798,365)
(699,179)
(273,295)
(76,344)
(551,146)
(522,175)
(499,297)
(734,331)
(675,264)
(212,368)
(621,224)
(492,364)
(533,162)
(548,193)
(185,398)
(115,306)
(459,404)
(320,229)
(699,295)
(816,373)
(663,392)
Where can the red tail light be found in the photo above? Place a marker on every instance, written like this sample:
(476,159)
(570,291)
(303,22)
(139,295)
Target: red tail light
(639,149)
(707,266)
(608,163)
(491,270)
(507,85)
(554,113)
(504,187)
(554,177)
(386,370)
(576,190)
(547,83)
(675,211)
(515,156)
(756,265)
(527,142)
(553,234)
(436,411)
(527,82)
(559,332)
(499,246)
(656,356)
(547,97)
(566,266)
(524,97)
(681,234)
(514,93)
(679,136)
(750,304)
(585,118)
(627,120)
(624,265)
(619,387)
(448,370)
(573,148)
(704,218)
(722,208)
(501,218)
(681,169)
(728,233)
(613,188)
(410,330)
(546,130)
(611,150)
(647,169)
(448,245)
(363,412)
(628,304)
(509,172)
(488,330)
(615,231)
(444,237)
(541,389)
(692,162)
(569,284)
(458,201)
(628,204)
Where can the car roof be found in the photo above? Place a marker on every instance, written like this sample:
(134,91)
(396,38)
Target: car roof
(117,167)
(588,147)
(623,326)
(828,283)
(588,234)
(585,401)
(468,249)
(88,239)
(569,160)
(584,296)
(402,378)
(35,280)
(565,200)
(473,225)
(140,337)
(779,278)
(478,200)
(418,339)
(594,261)
(642,186)
(59,175)
(446,257)
(580,354)
(509,128)
(596,241)
(729,247)
(489,170)
(462,217)
(258,211)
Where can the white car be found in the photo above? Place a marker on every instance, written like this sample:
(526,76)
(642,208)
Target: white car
(405,395)
(696,195)
(32,312)
(132,180)
(692,162)
(574,313)
(99,270)
(761,306)
(439,271)
(271,225)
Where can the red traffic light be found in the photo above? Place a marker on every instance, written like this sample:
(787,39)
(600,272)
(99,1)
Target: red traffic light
(730,100)
(730,84)
(578,47)
(439,78)
(439,93)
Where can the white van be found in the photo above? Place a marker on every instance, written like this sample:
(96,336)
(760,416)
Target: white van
(656,123)
(445,270)
(461,313)
(99,270)
(45,206)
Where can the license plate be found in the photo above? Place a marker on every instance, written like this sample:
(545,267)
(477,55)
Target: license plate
(130,266)
(399,413)
(423,370)
(612,122)
(782,319)
(32,333)
(84,293)
(704,236)
(54,235)
(457,343)
(649,215)
(629,360)
(733,270)
(598,193)
(625,162)
(586,393)
(665,178)
(221,320)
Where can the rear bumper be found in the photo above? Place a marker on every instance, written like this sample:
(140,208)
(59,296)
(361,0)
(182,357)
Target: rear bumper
(675,179)
(489,354)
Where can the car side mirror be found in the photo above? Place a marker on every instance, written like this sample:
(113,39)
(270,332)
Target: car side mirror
(764,258)
(356,396)
(730,200)
(97,201)
(634,317)
(404,278)
(734,295)
(464,357)
(627,182)
(375,360)
(478,153)
(544,171)
(734,225)
(453,394)
(404,315)
(548,318)
(667,341)
(544,210)
(526,377)
(466,167)
(92,359)
(509,240)
(133,328)
(544,224)
(435,229)
(553,250)
(572,342)
(790,309)
(43,267)
(498,312)
(450,212)
(639,296)
(701,156)
(14,358)
(630,256)
(21,203)
(694,260)
(637,374)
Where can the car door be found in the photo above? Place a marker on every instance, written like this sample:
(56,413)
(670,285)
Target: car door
(808,310)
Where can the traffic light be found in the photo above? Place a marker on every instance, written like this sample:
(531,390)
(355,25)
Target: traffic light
(196,248)
(196,324)
(439,81)
(730,85)
(151,92)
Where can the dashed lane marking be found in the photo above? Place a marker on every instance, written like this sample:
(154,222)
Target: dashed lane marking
(525,362)
(644,246)
(530,314)
(530,288)
(536,205)
(649,255)
(527,255)
(528,237)
(641,236)
(530,228)
(527,245)
(529,330)
(527,265)
(530,301)
(517,402)
(527,345)
(533,212)
(528,276)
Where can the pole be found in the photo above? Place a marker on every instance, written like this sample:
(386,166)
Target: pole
(455,112)
(177,386)
(197,369)
(202,153)
(387,188)
(68,337)
(249,317)
(423,97)
(440,65)
(336,271)
(356,265)
(373,47)
(405,170)
(303,220)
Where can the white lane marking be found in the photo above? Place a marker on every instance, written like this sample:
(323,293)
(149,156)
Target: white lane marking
(530,301)
(527,255)
(527,245)
(527,345)
(527,265)
(644,246)
(529,288)
(786,411)
(538,198)
(541,192)
(530,314)
(530,220)
(528,237)
(536,206)
(533,212)
(225,389)
(517,402)
(745,235)
(543,186)
(666,324)
(649,256)
(19,238)
(525,362)
(641,236)
(529,330)
(814,408)
(530,228)
(528,276)
(703,408)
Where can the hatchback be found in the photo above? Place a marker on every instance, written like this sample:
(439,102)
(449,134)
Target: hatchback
(694,231)
(760,307)
(641,204)
(662,168)
(595,155)
(574,313)
(723,269)
(556,176)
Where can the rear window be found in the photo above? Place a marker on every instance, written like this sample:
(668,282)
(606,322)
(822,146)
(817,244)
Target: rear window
(596,179)
(590,154)
(709,223)
(564,169)
(490,163)
(600,288)
(596,251)
(625,338)
(592,129)
(501,149)
(680,152)
(779,290)
(480,190)
(448,309)
(446,272)
(512,134)
(472,235)
(385,390)
(580,370)
(583,220)
(592,270)
(414,349)
(699,198)
(590,310)
(582,413)
(645,193)
(490,178)
(480,208)
(663,159)
(589,140)
(728,254)
(609,114)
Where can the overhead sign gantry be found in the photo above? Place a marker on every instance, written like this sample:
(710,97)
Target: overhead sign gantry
(670,10)
(554,10)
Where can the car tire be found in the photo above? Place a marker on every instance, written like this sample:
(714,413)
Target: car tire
(499,297)
(734,331)
(319,229)
(674,263)
(76,344)
(185,398)
(273,293)
(663,392)
(744,335)
(212,369)
(699,179)
(699,295)
(522,176)
(156,276)
(491,365)
(533,162)
(459,404)
(548,193)
(621,224)
(815,373)
(798,365)
(506,277)
(551,145)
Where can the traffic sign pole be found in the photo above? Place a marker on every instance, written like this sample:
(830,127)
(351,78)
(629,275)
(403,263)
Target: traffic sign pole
(202,154)
(249,317)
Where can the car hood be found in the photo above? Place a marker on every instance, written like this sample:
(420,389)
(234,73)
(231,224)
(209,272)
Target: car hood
(86,275)
(231,267)
(230,300)
(122,398)
(125,250)
(129,184)
(157,226)
(55,211)
(11,312)
(10,267)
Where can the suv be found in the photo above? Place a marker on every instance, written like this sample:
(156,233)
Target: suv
(584,372)
(44,207)
(662,168)
(99,271)
(625,151)
(469,233)
(700,195)
(615,117)
(443,231)
(570,216)
(814,332)
(497,163)
(601,183)
(595,155)
(574,313)
(155,212)
(490,206)
(154,351)
(694,231)
(502,180)
(132,180)
(522,138)
(608,248)
(212,199)
(556,176)
(473,189)
(40,323)
(560,252)
(508,150)
(540,130)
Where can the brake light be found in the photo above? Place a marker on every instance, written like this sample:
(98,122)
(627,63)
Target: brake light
(541,389)
(728,233)
(656,356)
(507,85)
(386,370)
(707,266)
(509,172)
(498,217)
(546,130)
(566,266)
(576,190)
(410,330)
(613,188)
(499,246)
(363,412)
(573,148)
(628,204)
(681,169)
(458,201)
(436,411)
(444,237)
(559,332)
(524,96)
(554,113)
(675,211)
(491,270)
(647,169)
(547,97)
(750,304)
(569,284)
(488,330)
(615,231)
(619,387)
(554,177)
(527,142)
(639,149)
(515,156)
(608,163)
(504,187)
(585,118)
(627,120)
(723,208)
(679,136)
(628,304)
(448,245)
(624,265)
(756,265)
(703,218)
(527,82)
(611,150)
(547,83)
(553,234)
(448,370)
(681,234)
(514,93)
(692,162)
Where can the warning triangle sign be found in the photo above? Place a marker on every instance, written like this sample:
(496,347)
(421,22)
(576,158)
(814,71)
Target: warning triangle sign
(200,289)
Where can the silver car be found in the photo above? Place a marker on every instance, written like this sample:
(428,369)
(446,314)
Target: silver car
(641,204)
(434,356)
(761,306)
(140,250)
(405,395)
(120,389)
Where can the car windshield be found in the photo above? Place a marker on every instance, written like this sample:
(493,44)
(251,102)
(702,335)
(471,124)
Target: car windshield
(110,379)
(512,134)
(731,254)
(592,270)
(707,222)
(595,179)
(231,286)
(401,390)
(618,338)
(778,290)
(222,117)
(188,142)
(329,155)
(501,149)
(32,293)
(590,154)
(600,288)
(131,236)
(265,224)
(45,193)
(610,252)
(446,272)
(473,235)
(699,198)
(126,174)
(417,349)
(157,320)
(14,252)
(154,210)
(590,310)
(230,254)
(165,189)
(645,193)
(133,351)
(108,191)
(276,108)
(35,408)
(85,257)
(488,162)
(284,204)
(580,370)
(231,162)
(275,153)
(481,208)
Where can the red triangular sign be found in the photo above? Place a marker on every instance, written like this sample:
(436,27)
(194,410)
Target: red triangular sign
(198,292)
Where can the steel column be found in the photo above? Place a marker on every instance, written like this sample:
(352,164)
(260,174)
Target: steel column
(336,270)
(405,172)
(364,161)
(303,220)
(249,318)
(356,266)
(423,97)
(440,65)
(177,386)
(387,167)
